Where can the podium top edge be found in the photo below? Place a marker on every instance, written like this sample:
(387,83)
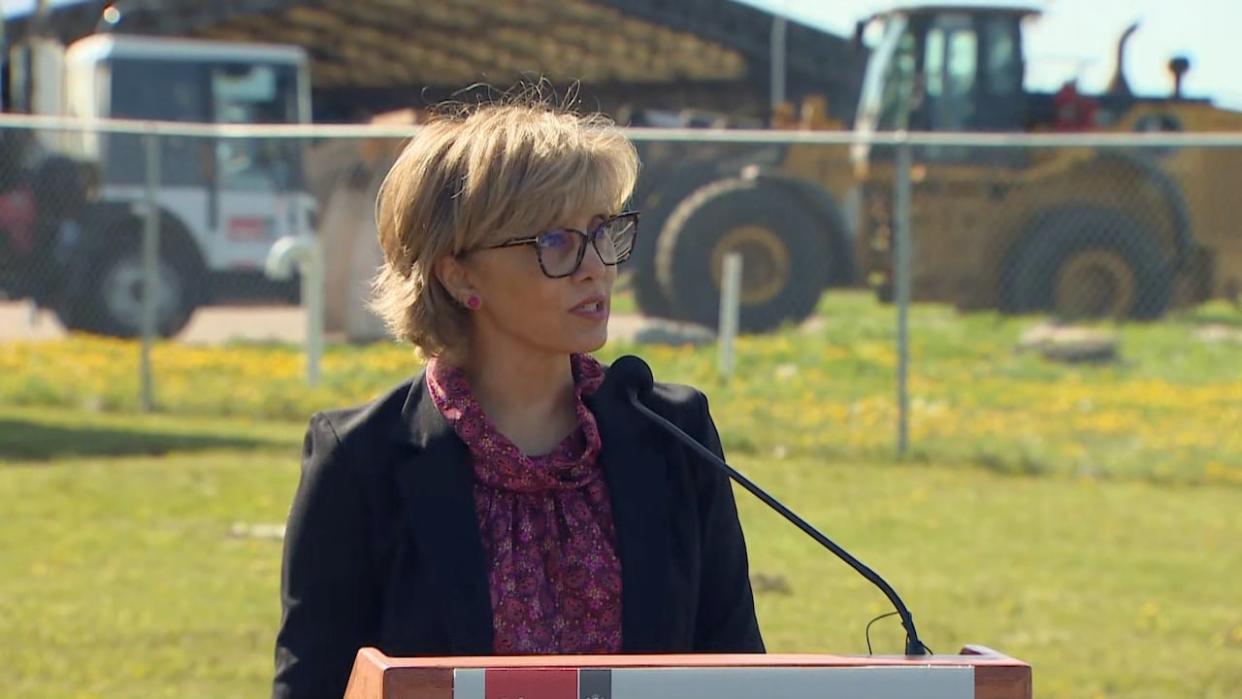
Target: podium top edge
(757,660)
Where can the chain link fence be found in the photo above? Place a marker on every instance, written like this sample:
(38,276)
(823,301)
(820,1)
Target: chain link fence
(78,208)
(267,234)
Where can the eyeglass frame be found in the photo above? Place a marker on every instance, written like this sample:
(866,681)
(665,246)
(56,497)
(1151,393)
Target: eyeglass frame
(534,240)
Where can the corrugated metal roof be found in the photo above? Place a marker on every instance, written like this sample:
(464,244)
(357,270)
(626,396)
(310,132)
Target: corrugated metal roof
(371,55)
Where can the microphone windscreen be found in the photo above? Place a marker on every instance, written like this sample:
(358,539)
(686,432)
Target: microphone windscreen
(630,372)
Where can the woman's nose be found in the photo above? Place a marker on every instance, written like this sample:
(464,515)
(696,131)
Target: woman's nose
(592,263)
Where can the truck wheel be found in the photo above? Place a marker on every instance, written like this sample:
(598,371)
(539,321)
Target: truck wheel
(1089,263)
(110,297)
(784,250)
(59,188)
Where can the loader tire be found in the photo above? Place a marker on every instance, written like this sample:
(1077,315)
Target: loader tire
(1089,263)
(784,249)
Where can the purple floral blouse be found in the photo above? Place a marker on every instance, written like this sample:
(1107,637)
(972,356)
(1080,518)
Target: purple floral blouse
(546,524)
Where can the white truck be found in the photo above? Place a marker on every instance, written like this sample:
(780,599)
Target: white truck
(222,201)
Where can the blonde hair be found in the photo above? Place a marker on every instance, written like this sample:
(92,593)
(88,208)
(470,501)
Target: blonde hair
(476,177)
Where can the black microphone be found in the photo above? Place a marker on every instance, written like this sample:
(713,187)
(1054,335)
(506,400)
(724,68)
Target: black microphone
(633,378)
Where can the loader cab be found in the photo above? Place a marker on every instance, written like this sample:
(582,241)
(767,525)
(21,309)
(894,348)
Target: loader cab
(945,68)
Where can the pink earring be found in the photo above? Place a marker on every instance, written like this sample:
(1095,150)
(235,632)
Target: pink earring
(473,303)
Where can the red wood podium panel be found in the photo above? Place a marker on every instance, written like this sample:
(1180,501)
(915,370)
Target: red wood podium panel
(978,673)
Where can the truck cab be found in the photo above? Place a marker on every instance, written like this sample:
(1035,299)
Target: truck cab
(223,201)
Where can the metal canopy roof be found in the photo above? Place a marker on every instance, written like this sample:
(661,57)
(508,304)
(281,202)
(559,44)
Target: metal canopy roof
(372,55)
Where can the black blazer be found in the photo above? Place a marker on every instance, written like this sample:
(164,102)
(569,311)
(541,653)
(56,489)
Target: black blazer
(382,546)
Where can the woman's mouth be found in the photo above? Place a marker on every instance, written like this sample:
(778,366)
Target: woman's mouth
(593,309)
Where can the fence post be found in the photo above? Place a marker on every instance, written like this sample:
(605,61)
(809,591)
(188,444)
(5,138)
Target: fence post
(312,296)
(730,300)
(776,58)
(903,258)
(150,264)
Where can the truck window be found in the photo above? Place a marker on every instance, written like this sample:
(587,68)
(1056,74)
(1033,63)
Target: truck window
(162,91)
(255,94)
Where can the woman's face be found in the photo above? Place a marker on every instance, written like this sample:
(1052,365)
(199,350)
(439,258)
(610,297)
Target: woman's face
(525,310)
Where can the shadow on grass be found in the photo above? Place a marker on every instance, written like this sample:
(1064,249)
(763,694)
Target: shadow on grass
(1011,464)
(28,441)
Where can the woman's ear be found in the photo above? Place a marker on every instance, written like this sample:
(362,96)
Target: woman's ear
(455,278)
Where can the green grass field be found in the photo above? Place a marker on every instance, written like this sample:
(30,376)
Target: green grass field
(1086,519)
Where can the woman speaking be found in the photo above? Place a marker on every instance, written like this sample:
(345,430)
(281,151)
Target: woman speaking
(506,500)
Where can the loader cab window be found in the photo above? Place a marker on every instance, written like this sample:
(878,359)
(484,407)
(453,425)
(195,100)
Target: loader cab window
(1002,102)
(888,83)
(898,85)
(950,70)
(972,73)
(1002,41)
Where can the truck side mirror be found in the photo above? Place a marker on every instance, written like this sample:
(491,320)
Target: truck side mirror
(859,28)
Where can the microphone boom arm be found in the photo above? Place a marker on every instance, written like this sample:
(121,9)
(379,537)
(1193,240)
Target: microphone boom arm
(914,646)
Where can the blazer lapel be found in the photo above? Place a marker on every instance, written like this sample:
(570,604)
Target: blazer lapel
(635,471)
(437,486)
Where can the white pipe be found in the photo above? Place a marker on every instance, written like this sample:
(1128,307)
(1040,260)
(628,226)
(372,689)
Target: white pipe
(730,308)
(312,300)
(283,257)
(305,253)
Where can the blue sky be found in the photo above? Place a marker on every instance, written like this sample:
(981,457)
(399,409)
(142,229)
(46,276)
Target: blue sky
(1075,38)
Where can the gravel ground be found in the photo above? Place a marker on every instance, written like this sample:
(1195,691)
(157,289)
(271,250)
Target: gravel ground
(215,325)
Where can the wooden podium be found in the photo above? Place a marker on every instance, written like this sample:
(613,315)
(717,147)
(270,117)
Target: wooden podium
(977,672)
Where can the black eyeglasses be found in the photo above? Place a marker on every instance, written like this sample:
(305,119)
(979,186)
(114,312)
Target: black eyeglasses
(561,250)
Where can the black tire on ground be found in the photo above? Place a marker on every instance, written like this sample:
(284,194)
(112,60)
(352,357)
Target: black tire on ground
(108,299)
(59,188)
(785,251)
(661,190)
(1088,261)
